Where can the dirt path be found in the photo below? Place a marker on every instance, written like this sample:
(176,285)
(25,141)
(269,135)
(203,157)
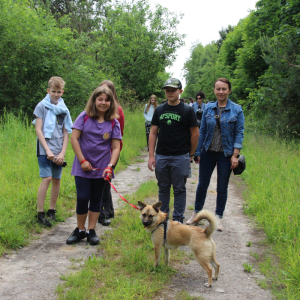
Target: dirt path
(34,272)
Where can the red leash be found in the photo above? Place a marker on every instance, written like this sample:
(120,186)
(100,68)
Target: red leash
(107,178)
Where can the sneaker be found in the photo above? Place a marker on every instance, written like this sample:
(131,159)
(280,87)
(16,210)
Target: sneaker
(51,214)
(42,220)
(76,236)
(190,221)
(220,226)
(92,238)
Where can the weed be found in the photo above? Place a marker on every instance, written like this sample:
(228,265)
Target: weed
(247,267)
(138,169)
(183,295)
(249,244)
(263,284)
(255,255)
(191,207)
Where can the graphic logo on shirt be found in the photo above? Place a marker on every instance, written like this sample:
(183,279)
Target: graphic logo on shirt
(106,135)
(169,122)
(169,117)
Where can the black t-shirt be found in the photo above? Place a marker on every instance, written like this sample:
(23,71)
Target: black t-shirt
(174,124)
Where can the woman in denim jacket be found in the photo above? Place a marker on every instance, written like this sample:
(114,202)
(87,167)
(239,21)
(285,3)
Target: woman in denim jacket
(219,144)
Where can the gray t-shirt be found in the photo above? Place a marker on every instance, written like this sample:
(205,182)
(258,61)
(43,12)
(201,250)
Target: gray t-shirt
(56,142)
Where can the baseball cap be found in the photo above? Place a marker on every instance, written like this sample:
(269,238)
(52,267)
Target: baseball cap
(173,83)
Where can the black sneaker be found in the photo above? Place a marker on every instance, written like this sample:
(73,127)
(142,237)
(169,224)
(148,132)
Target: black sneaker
(92,237)
(76,236)
(51,214)
(42,220)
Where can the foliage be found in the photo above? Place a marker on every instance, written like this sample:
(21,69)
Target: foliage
(84,42)
(260,55)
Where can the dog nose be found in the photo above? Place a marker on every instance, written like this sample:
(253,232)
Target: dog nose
(147,223)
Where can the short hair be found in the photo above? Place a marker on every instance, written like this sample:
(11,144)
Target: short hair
(112,87)
(91,110)
(201,94)
(225,80)
(56,82)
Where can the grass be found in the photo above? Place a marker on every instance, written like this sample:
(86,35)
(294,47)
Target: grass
(273,197)
(19,176)
(248,267)
(125,270)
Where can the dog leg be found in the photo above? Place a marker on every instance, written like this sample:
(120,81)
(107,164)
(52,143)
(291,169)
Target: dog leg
(157,252)
(216,266)
(205,265)
(167,256)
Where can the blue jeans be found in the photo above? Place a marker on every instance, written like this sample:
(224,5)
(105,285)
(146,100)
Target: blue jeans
(48,168)
(208,161)
(172,170)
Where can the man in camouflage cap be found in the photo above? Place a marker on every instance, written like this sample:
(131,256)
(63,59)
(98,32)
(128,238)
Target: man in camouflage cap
(175,125)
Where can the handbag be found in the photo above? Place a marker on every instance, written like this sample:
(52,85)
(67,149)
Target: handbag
(241,166)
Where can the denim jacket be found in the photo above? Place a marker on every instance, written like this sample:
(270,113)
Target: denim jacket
(195,106)
(232,127)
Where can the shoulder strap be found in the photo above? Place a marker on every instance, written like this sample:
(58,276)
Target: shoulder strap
(85,118)
(217,117)
(112,124)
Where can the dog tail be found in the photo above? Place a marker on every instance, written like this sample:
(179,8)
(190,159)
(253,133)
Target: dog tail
(210,217)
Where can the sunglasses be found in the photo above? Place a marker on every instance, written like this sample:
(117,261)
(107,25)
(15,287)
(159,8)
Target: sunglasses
(198,98)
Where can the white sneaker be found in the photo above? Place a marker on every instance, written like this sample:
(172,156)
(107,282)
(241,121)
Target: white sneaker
(190,221)
(220,226)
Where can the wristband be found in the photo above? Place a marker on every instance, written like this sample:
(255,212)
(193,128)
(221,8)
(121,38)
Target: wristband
(82,161)
(192,155)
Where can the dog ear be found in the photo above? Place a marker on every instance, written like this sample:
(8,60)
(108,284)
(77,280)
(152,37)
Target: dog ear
(157,206)
(141,205)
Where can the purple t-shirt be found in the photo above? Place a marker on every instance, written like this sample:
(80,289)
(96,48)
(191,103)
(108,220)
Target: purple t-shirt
(95,144)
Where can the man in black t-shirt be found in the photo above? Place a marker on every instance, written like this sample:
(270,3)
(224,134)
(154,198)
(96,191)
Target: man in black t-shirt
(175,125)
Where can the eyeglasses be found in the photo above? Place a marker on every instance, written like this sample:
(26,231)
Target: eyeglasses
(198,98)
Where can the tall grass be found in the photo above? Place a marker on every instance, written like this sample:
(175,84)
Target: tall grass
(273,197)
(19,175)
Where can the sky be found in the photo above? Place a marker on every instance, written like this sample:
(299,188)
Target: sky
(201,23)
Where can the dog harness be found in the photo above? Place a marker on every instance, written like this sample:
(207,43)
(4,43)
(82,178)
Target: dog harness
(166,226)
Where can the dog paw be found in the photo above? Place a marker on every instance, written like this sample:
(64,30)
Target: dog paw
(206,284)
(215,278)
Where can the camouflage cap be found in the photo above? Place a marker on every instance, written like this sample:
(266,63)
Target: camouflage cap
(174,83)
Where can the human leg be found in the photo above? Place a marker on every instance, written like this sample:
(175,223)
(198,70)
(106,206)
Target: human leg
(224,171)
(162,173)
(42,192)
(106,208)
(206,168)
(147,127)
(179,171)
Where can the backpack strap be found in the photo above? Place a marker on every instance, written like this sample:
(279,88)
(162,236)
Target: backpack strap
(112,124)
(85,118)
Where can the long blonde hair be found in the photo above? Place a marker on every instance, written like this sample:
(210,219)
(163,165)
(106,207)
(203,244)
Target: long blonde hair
(149,103)
(91,109)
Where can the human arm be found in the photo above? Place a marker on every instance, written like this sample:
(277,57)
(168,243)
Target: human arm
(76,133)
(115,146)
(238,138)
(193,140)
(61,156)
(145,115)
(152,141)
(41,138)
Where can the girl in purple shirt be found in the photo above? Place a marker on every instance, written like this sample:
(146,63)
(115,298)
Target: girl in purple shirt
(95,140)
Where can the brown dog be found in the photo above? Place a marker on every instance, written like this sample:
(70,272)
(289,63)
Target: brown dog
(199,240)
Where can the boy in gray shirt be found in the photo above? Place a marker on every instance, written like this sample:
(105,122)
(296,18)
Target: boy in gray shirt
(52,124)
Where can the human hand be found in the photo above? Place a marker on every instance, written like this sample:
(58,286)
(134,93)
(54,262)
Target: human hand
(234,162)
(50,155)
(191,159)
(151,163)
(59,160)
(107,172)
(86,166)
